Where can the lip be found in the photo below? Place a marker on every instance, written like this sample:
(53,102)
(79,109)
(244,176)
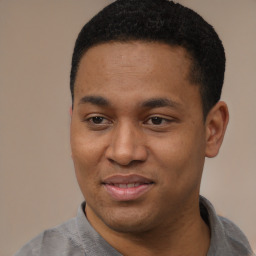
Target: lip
(119,190)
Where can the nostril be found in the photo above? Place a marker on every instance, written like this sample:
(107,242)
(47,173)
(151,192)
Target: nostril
(120,154)
(126,147)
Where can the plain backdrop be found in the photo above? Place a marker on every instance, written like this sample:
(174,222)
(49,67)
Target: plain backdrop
(38,188)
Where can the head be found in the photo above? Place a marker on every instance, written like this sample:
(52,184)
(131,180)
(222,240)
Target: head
(159,21)
(146,79)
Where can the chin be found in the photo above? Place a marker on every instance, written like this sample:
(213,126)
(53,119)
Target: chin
(131,228)
(129,221)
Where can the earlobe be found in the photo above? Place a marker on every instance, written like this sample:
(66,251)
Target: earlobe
(216,124)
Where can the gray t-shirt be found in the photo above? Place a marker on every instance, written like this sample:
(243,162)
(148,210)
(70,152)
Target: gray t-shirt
(77,237)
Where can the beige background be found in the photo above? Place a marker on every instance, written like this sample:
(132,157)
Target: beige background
(37,184)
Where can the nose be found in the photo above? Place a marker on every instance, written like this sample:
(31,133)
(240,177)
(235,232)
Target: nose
(127,145)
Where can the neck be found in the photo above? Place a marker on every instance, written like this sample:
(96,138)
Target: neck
(188,236)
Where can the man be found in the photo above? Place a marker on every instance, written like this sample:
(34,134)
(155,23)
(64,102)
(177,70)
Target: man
(146,81)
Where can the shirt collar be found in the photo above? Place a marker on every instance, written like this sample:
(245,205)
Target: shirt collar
(92,242)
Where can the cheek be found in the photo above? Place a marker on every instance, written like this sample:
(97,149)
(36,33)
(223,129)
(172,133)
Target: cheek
(86,147)
(85,153)
(181,155)
(85,164)
(170,151)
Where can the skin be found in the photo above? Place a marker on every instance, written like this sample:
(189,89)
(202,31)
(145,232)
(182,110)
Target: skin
(118,128)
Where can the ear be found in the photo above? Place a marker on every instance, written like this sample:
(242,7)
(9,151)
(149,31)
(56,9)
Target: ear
(216,124)
(70,111)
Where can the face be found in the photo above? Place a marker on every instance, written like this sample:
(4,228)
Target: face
(137,135)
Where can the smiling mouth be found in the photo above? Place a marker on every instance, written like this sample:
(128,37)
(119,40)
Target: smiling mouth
(129,185)
(127,188)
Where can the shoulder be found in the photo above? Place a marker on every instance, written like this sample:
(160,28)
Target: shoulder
(235,237)
(60,240)
(226,237)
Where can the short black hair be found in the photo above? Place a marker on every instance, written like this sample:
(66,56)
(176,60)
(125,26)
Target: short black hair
(159,21)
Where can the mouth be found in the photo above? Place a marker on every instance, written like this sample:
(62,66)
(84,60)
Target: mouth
(127,188)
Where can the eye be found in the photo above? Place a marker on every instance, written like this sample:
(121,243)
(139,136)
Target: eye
(97,123)
(97,119)
(157,120)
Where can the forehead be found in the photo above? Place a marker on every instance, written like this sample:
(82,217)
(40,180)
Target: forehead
(149,66)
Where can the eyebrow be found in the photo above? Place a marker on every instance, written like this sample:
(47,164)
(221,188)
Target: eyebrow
(150,103)
(160,102)
(95,100)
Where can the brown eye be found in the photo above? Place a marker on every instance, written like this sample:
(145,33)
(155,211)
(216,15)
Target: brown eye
(97,123)
(156,120)
(97,119)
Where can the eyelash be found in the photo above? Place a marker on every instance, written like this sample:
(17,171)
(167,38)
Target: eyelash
(159,118)
(159,121)
(90,120)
